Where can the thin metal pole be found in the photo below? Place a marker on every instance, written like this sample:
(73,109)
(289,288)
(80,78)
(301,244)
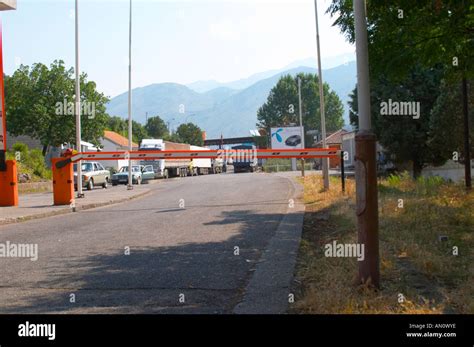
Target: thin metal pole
(467,147)
(78,106)
(301,124)
(130,183)
(321,103)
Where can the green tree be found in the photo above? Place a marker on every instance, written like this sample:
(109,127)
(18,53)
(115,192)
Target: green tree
(281,107)
(403,34)
(405,138)
(156,128)
(138,132)
(118,125)
(189,133)
(40,103)
(447,121)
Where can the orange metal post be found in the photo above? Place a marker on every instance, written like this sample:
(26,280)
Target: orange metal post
(63,183)
(9,185)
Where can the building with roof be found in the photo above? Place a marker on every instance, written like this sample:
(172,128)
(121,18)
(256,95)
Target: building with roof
(333,140)
(113,142)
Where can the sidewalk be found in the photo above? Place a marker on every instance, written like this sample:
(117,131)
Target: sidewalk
(40,205)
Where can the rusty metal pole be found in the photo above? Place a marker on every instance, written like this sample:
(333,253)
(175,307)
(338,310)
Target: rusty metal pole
(366,170)
(467,147)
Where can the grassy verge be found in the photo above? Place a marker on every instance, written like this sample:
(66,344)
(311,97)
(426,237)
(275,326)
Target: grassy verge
(419,272)
(279,165)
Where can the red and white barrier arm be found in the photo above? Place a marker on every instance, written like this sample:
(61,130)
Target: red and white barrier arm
(231,153)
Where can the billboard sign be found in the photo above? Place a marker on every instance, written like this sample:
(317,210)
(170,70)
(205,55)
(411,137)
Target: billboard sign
(286,138)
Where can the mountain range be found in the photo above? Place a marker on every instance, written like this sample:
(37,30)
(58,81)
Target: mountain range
(218,108)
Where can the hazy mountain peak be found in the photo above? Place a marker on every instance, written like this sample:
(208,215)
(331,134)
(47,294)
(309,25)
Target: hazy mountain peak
(227,108)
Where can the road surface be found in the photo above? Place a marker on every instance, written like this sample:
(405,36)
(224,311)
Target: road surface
(172,251)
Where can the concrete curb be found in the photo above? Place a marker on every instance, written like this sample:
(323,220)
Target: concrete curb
(65,210)
(268,289)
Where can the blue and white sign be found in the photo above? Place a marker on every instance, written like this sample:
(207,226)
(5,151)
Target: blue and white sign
(286,137)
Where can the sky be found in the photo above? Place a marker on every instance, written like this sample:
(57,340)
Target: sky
(172,41)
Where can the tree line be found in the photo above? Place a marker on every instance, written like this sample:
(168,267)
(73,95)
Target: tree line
(39,102)
(420,52)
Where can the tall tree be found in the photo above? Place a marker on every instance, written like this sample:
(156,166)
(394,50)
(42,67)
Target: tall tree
(40,103)
(404,33)
(281,107)
(189,133)
(117,124)
(446,123)
(156,127)
(405,137)
(138,132)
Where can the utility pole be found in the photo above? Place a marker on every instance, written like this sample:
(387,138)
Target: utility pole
(366,171)
(325,161)
(80,194)
(130,182)
(467,147)
(301,124)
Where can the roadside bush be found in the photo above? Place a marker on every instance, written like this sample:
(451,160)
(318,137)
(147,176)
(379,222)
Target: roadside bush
(36,162)
(431,181)
(30,161)
(20,147)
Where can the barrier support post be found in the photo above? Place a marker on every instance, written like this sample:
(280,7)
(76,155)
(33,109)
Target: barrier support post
(8,182)
(63,182)
(343,177)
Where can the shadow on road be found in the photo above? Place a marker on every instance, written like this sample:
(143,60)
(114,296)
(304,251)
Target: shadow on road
(199,206)
(211,275)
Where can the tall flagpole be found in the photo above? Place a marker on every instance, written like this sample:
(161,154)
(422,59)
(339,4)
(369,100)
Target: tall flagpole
(78,106)
(130,183)
(321,103)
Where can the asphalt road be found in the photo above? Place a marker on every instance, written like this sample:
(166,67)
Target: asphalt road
(182,240)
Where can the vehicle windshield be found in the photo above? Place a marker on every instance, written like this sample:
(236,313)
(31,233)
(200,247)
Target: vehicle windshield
(150,146)
(84,167)
(134,169)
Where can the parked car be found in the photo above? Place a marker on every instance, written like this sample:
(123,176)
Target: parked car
(293,141)
(93,174)
(140,173)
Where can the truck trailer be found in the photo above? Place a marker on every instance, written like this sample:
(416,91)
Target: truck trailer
(165,168)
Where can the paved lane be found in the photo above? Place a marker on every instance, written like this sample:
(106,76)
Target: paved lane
(182,240)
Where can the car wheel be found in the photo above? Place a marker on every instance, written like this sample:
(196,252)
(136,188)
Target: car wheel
(90,184)
(106,183)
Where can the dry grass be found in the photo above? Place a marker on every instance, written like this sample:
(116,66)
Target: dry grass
(413,262)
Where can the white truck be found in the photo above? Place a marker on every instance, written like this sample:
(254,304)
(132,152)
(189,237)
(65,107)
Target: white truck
(175,167)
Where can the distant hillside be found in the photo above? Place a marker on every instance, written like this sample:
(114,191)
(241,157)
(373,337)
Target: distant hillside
(225,110)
